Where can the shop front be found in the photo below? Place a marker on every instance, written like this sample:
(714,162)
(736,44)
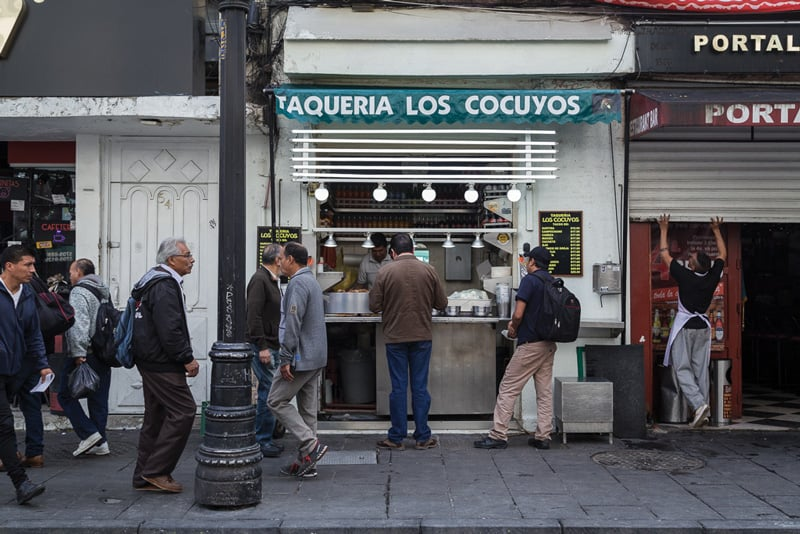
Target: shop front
(713,145)
(474,176)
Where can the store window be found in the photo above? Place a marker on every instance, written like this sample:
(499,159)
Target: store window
(37,209)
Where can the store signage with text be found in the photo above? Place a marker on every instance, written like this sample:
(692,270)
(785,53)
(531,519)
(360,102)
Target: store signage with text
(701,48)
(437,106)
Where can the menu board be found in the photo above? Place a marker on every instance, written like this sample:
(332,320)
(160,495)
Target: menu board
(280,235)
(561,232)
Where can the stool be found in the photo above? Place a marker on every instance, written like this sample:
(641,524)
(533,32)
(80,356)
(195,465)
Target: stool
(584,405)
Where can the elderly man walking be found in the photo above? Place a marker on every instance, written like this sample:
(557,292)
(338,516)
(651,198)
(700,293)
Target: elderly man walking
(162,350)
(303,355)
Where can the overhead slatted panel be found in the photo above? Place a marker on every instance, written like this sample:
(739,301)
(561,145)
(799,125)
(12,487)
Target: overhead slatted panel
(424,155)
(740,181)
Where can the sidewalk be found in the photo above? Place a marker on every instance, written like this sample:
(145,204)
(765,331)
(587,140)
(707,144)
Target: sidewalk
(677,481)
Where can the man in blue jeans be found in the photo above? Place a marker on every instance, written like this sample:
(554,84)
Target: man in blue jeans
(88,290)
(263,319)
(405,291)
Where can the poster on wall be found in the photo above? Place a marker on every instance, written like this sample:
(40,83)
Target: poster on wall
(281,235)
(684,239)
(561,232)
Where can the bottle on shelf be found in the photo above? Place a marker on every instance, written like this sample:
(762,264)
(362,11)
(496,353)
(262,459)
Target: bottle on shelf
(657,327)
(719,331)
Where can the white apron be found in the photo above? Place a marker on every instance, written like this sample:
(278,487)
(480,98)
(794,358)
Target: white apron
(681,318)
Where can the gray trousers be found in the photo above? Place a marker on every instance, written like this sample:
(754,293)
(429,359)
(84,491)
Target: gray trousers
(690,357)
(300,421)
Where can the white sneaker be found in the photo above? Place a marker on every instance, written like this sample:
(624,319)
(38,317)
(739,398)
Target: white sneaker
(87,444)
(700,416)
(99,450)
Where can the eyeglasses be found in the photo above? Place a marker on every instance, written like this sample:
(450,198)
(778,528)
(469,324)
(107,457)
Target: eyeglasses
(187,255)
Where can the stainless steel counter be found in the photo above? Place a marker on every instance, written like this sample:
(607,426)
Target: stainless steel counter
(436,320)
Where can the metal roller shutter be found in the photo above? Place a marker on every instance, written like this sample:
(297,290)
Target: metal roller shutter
(740,181)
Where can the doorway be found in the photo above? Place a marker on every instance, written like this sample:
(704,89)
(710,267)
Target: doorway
(771,331)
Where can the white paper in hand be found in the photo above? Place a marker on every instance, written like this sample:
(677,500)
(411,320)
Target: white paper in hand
(42,386)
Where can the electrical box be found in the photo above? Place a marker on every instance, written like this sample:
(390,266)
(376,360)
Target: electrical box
(606,278)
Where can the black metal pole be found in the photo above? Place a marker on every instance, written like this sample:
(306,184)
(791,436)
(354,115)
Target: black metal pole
(228,462)
(231,303)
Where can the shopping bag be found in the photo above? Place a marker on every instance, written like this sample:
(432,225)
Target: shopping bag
(83,381)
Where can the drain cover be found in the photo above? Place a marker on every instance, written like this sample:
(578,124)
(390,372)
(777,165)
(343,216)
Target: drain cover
(349,458)
(649,460)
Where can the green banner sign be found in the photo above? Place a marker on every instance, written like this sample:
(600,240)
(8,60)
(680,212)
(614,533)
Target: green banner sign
(423,106)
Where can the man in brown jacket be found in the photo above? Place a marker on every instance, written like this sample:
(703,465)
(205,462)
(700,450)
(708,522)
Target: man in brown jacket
(406,290)
(263,319)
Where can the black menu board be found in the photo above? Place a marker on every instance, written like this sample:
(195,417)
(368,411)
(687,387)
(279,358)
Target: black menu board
(561,232)
(281,235)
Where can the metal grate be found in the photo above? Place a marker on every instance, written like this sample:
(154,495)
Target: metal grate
(649,460)
(349,458)
(424,155)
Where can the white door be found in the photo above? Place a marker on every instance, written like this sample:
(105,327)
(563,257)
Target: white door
(161,188)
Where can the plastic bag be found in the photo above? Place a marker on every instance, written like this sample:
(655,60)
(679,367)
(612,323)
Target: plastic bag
(83,381)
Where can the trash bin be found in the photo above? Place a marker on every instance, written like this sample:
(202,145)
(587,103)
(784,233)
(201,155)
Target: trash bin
(623,365)
(357,369)
(721,392)
(673,407)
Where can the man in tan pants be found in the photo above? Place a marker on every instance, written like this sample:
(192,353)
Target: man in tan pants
(533,357)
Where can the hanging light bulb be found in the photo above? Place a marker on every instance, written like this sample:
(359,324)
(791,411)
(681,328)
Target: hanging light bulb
(368,242)
(448,243)
(470,195)
(330,242)
(477,243)
(514,194)
(379,193)
(321,193)
(428,194)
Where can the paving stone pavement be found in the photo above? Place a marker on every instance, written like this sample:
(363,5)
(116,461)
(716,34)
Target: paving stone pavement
(674,481)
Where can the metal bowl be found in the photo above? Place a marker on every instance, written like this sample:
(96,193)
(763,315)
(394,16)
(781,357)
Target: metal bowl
(481,311)
(452,311)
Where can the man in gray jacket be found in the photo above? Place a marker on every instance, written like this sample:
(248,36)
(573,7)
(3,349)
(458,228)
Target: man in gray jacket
(303,355)
(87,293)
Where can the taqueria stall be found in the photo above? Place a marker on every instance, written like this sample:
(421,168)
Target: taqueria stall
(474,176)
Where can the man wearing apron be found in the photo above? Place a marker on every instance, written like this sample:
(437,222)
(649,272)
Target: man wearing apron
(689,343)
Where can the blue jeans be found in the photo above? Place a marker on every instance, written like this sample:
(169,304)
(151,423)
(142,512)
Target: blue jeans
(265,420)
(402,358)
(83,425)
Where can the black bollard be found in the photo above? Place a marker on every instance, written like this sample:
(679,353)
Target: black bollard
(228,462)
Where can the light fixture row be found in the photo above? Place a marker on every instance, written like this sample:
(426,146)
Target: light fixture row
(321,193)
(330,242)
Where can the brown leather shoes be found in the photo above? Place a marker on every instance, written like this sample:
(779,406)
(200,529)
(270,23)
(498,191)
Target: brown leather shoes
(33,461)
(165,483)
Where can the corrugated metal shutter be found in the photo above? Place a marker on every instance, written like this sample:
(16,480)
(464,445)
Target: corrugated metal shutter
(693,180)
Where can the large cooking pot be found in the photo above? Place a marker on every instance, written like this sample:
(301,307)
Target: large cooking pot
(349,302)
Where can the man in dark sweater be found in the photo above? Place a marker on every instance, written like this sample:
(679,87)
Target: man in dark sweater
(263,320)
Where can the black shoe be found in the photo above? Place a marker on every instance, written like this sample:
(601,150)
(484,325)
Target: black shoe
(28,490)
(489,443)
(542,444)
(270,450)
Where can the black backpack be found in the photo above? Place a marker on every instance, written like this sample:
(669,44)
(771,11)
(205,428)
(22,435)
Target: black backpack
(560,315)
(104,346)
(56,316)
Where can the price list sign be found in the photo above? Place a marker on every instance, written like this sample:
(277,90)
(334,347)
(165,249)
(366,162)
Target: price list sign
(561,232)
(280,235)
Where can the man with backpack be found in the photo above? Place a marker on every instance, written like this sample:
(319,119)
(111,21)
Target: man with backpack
(533,357)
(87,296)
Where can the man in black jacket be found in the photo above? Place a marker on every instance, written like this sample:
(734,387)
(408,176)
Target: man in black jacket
(263,319)
(163,354)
